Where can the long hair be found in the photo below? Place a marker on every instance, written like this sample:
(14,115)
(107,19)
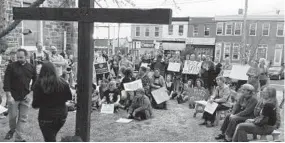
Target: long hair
(48,79)
(272,95)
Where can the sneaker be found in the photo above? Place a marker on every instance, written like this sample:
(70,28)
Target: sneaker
(9,135)
(220,136)
(210,125)
(204,123)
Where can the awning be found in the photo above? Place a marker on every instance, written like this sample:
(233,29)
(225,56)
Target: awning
(174,46)
(201,41)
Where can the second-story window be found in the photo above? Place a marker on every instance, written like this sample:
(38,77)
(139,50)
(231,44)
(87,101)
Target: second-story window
(195,30)
(146,32)
(207,30)
(280,29)
(238,26)
(252,29)
(170,29)
(156,31)
(229,28)
(180,30)
(265,29)
(220,27)
(138,30)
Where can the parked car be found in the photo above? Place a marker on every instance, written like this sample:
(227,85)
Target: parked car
(276,72)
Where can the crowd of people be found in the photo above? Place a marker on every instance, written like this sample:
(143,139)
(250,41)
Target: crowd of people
(51,77)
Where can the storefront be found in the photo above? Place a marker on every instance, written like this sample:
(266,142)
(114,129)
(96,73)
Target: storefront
(202,46)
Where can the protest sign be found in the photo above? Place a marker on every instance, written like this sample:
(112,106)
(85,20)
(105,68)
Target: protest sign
(175,67)
(107,108)
(239,72)
(191,67)
(101,68)
(2,109)
(211,107)
(226,73)
(144,65)
(133,86)
(160,95)
(198,94)
(124,120)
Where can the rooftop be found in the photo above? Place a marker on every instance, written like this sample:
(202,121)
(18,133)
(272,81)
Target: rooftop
(250,17)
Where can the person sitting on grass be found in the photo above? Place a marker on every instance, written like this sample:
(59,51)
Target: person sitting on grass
(199,93)
(170,87)
(112,96)
(188,88)
(140,108)
(157,82)
(242,111)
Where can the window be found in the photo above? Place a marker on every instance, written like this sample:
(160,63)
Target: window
(252,29)
(220,27)
(265,29)
(138,29)
(262,51)
(170,29)
(156,31)
(227,50)
(236,48)
(218,51)
(238,26)
(146,32)
(280,29)
(207,30)
(229,28)
(195,30)
(180,30)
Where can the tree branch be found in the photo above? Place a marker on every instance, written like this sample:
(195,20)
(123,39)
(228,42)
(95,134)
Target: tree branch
(17,22)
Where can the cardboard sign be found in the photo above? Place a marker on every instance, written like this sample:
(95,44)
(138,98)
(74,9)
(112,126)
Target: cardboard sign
(124,120)
(175,67)
(160,95)
(191,67)
(144,65)
(133,86)
(107,108)
(198,94)
(239,72)
(226,73)
(211,107)
(101,68)
(2,109)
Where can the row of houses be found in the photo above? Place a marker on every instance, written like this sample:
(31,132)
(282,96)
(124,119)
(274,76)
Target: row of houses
(219,36)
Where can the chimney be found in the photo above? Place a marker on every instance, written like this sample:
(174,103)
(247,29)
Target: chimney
(240,11)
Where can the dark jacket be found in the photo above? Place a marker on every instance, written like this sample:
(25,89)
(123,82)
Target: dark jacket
(245,107)
(17,79)
(141,104)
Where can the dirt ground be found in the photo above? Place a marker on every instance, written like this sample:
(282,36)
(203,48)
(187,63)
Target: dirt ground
(173,125)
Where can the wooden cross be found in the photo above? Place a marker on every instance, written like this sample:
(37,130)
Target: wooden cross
(86,15)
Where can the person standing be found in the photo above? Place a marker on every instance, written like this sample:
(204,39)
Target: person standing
(51,92)
(57,60)
(38,57)
(263,78)
(17,79)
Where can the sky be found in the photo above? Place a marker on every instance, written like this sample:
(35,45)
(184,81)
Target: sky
(192,8)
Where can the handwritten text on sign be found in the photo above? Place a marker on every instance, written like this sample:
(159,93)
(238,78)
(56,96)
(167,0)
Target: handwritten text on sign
(160,95)
(133,86)
(175,67)
(191,67)
(101,68)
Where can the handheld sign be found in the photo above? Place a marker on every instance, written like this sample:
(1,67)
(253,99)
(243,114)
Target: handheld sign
(133,86)
(198,94)
(191,67)
(101,68)
(175,67)
(107,108)
(160,95)
(239,72)
(211,107)
(227,73)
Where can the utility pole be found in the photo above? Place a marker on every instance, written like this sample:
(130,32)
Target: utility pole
(119,36)
(243,57)
(109,41)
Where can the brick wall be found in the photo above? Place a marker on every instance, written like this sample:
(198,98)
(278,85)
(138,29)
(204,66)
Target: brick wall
(52,30)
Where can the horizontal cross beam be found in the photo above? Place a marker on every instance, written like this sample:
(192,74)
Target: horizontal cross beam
(155,16)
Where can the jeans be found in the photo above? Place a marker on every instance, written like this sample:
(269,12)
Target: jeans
(18,115)
(229,124)
(249,128)
(50,128)
(211,117)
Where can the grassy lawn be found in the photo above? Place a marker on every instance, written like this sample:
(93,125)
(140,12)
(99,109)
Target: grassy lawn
(173,125)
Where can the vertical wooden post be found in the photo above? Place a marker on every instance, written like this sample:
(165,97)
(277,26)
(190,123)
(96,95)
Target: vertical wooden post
(84,75)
